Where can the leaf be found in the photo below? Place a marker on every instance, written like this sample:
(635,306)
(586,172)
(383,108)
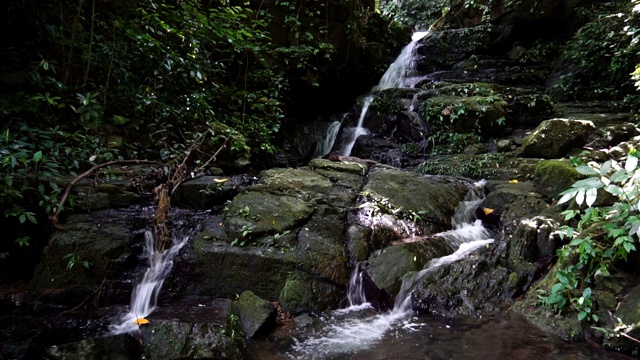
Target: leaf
(619,176)
(604,169)
(37,156)
(582,315)
(580,196)
(141,321)
(557,288)
(631,164)
(220,181)
(586,170)
(587,183)
(568,196)
(487,211)
(514,181)
(614,190)
(592,194)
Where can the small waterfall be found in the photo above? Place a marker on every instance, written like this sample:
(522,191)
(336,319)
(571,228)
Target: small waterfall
(359,129)
(325,144)
(395,77)
(355,291)
(145,295)
(348,335)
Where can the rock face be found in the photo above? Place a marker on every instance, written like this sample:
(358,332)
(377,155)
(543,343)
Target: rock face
(555,137)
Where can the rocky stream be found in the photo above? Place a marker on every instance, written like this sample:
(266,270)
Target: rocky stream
(376,248)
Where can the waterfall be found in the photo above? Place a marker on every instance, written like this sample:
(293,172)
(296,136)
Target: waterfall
(395,77)
(342,335)
(145,295)
(325,144)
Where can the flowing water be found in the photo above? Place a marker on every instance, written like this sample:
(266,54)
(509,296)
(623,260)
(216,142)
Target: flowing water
(145,295)
(403,68)
(355,329)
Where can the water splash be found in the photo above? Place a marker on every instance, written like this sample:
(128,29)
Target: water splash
(145,295)
(326,143)
(355,290)
(341,335)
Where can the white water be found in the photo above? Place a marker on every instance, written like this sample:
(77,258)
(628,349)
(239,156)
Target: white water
(326,143)
(399,71)
(347,335)
(145,295)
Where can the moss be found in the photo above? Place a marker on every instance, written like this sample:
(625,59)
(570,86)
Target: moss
(554,176)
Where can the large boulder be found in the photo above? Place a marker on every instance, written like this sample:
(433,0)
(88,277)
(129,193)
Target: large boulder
(392,198)
(553,138)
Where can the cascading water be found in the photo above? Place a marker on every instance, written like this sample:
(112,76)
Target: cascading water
(395,77)
(145,295)
(348,334)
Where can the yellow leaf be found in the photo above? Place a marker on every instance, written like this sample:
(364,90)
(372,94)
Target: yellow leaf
(220,181)
(487,211)
(514,181)
(141,321)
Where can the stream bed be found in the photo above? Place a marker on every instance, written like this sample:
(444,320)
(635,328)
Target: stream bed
(505,335)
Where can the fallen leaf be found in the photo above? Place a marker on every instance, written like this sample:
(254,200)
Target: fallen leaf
(514,181)
(219,181)
(141,321)
(487,211)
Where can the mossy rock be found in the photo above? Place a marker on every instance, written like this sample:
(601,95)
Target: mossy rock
(551,177)
(304,293)
(554,138)
(257,316)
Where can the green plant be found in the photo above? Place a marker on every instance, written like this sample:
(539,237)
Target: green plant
(602,236)
(74,258)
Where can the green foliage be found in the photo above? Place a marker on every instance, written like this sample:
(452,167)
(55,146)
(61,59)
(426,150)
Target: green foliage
(457,122)
(602,54)
(415,14)
(480,166)
(602,236)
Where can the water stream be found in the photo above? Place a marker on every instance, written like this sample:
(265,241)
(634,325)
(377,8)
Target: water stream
(403,68)
(358,328)
(145,295)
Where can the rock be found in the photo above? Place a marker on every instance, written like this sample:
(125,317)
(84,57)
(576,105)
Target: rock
(206,191)
(196,339)
(504,145)
(469,287)
(551,177)
(387,267)
(440,50)
(555,137)
(427,201)
(106,240)
(116,347)
(257,316)
(606,137)
(306,293)
(253,214)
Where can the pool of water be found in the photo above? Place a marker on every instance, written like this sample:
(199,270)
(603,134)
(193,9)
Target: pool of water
(507,335)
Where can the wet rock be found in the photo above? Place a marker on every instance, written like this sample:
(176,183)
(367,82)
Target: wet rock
(387,267)
(116,347)
(627,312)
(257,316)
(470,287)
(169,339)
(206,191)
(253,214)
(555,137)
(427,201)
(306,293)
(102,245)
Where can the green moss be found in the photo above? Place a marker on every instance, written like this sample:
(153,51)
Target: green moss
(554,176)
